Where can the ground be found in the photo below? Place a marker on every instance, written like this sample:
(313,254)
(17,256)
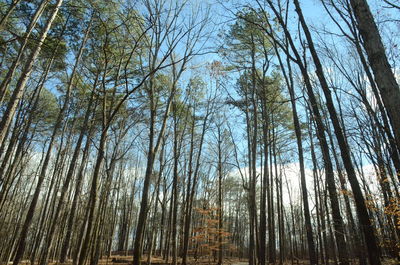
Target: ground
(127,260)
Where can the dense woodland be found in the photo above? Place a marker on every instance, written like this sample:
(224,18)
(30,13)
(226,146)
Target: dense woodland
(186,132)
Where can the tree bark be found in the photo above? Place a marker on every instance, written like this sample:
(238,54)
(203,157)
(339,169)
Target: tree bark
(368,229)
(384,76)
(26,72)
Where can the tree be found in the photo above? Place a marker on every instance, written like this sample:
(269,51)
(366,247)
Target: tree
(384,76)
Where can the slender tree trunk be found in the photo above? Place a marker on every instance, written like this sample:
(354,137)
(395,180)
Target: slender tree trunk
(175,192)
(10,9)
(78,185)
(265,187)
(220,206)
(152,151)
(195,179)
(49,238)
(23,79)
(368,229)
(310,239)
(10,73)
(93,197)
(384,76)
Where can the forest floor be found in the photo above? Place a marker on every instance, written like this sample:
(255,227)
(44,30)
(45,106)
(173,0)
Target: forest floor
(127,260)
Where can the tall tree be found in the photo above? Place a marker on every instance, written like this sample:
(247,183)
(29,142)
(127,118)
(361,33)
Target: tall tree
(384,76)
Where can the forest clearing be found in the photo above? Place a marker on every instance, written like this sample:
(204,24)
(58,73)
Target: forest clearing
(241,132)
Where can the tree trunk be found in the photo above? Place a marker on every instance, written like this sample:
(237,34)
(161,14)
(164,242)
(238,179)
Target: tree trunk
(23,79)
(384,76)
(310,239)
(68,178)
(368,229)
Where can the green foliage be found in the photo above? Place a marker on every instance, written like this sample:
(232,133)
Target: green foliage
(46,112)
(244,38)
(196,88)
